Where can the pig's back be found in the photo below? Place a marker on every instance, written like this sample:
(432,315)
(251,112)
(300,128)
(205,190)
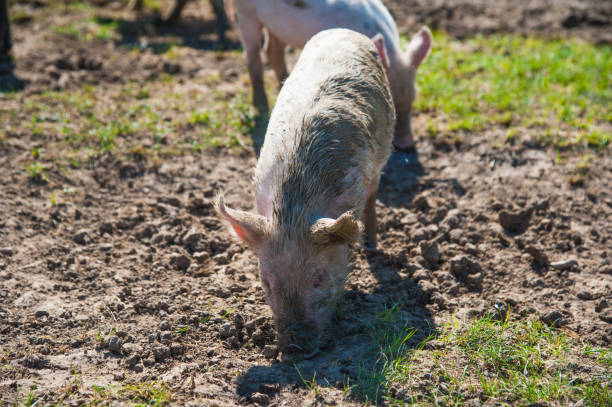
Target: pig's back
(296,21)
(330,131)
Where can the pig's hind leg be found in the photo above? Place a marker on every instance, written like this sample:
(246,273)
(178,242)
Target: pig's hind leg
(369,216)
(275,51)
(251,32)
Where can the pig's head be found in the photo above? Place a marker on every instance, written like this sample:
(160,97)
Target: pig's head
(402,73)
(302,272)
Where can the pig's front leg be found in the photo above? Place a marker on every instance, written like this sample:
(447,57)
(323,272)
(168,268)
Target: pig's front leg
(275,51)
(251,32)
(369,216)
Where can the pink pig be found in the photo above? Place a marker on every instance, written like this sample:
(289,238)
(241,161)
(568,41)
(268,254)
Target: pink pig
(316,180)
(294,22)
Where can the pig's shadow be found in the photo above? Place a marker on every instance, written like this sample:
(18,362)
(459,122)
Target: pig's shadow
(402,177)
(9,82)
(369,327)
(193,33)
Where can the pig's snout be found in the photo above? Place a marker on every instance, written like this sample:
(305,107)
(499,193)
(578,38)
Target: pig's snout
(300,339)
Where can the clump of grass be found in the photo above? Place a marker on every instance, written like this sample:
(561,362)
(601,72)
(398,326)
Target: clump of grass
(146,394)
(36,172)
(487,81)
(90,29)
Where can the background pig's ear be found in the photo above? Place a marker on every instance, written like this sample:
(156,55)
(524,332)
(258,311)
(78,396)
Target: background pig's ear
(419,47)
(345,229)
(379,41)
(248,226)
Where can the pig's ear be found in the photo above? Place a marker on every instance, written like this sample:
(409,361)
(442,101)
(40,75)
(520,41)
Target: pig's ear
(345,229)
(419,47)
(250,227)
(379,42)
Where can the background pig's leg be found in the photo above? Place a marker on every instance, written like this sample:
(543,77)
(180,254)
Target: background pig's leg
(275,51)
(5,33)
(251,32)
(222,22)
(369,215)
(175,14)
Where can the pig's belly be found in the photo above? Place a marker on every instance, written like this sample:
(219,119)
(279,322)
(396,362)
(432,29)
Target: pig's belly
(296,25)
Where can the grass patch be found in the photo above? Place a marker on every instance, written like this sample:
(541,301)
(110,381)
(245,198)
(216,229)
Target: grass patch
(485,361)
(90,29)
(562,85)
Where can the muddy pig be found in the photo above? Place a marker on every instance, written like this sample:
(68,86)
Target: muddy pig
(293,22)
(328,138)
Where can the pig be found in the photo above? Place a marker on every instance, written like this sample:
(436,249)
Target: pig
(315,182)
(293,22)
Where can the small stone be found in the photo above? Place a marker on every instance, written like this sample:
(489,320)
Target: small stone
(238,321)
(131,349)
(114,344)
(34,362)
(467,271)
(201,257)
(515,221)
(419,235)
(165,326)
(192,238)
(81,237)
(259,337)
(221,292)
(227,330)
(176,349)
(132,360)
(554,318)
(421,274)
(145,231)
(6,251)
(606,315)
(455,235)
(601,305)
(420,203)
(538,255)
(584,295)
(270,351)
(180,262)
(429,250)
(221,258)
(161,352)
(41,313)
(106,227)
(120,376)
(261,399)
(564,265)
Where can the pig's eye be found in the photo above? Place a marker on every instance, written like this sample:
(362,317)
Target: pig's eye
(319,279)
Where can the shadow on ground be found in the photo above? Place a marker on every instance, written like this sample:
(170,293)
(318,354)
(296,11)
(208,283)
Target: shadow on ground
(9,82)
(190,32)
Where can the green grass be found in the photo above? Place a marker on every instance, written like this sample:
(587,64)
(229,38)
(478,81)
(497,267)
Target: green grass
(90,29)
(564,86)
(508,362)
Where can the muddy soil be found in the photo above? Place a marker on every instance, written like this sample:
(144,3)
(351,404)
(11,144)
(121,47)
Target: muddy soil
(587,19)
(132,278)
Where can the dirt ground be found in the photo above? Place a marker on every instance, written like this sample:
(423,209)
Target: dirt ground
(134,279)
